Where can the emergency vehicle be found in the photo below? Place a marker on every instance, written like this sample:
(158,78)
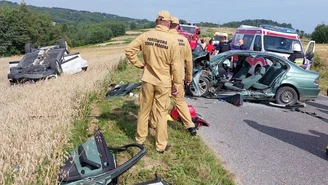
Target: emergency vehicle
(272,39)
(191,32)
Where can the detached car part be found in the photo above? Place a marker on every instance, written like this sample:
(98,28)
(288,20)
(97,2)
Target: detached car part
(95,163)
(195,117)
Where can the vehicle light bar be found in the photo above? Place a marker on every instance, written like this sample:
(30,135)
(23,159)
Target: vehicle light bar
(279,29)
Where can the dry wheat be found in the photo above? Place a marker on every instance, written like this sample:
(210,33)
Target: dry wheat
(35,119)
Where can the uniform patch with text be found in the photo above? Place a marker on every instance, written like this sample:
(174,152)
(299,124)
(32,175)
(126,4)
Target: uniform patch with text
(156,42)
(181,42)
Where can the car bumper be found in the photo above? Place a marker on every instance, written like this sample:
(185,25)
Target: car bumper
(308,93)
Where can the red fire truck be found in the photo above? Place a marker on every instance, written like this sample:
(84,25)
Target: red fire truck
(191,32)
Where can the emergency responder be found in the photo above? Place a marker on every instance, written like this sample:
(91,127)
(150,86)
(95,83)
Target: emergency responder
(161,77)
(186,60)
(297,57)
(241,44)
(224,45)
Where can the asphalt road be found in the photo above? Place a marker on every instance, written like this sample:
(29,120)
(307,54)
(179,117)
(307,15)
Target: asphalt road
(260,144)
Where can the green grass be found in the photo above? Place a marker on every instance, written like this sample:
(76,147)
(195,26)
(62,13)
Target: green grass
(128,40)
(321,66)
(189,161)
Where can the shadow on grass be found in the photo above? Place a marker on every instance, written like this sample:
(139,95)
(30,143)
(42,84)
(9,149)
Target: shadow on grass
(125,117)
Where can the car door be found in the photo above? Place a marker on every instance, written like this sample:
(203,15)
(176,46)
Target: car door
(310,49)
(309,53)
(257,46)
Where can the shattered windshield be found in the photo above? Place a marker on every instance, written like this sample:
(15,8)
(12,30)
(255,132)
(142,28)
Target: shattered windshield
(188,29)
(279,44)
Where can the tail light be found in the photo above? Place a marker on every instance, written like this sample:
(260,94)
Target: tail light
(316,81)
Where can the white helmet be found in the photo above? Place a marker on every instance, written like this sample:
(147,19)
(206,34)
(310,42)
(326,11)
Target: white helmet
(297,47)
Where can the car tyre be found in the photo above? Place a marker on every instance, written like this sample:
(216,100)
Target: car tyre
(28,48)
(63,44)
(286,95)
(204,85)
(55,65)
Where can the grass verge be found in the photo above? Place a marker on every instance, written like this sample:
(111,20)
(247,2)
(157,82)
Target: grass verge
(189,161)
(320,64)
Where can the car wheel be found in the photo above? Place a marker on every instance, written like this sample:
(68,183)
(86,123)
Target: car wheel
(286,95)
(28,48)
(55,65)
(203,85)
(63,44)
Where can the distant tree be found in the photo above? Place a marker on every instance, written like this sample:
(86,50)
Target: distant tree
(320,33)
(64,28)
(96,34)
(301,34)
(133,26)
(20,26)
(207,24)
(255,22)
(182,21)
(118,28)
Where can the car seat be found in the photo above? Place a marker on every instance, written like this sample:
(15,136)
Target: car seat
(242,73)
(247,82)
(270,76)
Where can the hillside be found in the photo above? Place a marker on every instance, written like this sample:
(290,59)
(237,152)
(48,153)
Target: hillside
(69,16)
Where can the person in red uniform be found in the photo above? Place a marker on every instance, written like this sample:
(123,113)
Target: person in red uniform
(210,47)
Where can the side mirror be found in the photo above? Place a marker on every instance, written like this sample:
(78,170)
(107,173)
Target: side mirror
(257,47)
(309,56)
(198,32)
(230,40)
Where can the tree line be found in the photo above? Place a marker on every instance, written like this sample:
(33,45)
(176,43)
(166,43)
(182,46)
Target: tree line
(320,34)
(21,25)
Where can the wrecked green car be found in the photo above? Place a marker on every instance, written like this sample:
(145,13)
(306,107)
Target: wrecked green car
(254,75)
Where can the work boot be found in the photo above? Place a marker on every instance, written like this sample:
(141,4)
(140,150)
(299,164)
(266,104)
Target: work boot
(192,131)
(168,146)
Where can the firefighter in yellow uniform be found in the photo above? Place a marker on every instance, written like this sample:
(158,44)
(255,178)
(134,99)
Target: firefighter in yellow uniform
(185,65)
(161,61)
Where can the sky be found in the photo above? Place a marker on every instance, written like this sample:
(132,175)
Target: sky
(302,14)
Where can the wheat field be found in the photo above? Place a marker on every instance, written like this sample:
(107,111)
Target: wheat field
(36,118)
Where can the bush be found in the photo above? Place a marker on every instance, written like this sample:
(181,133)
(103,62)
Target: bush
(320,34)
(317,62)
(122,64)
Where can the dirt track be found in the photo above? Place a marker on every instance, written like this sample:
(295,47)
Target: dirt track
(36,118)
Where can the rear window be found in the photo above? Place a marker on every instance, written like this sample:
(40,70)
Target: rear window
(279,44)
(187,29)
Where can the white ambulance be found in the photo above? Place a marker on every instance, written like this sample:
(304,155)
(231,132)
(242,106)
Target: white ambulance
(273,39)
